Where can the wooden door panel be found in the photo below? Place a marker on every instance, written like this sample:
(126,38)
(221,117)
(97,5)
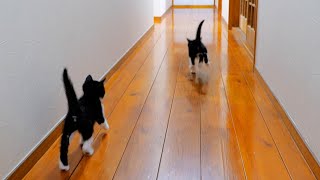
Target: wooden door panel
(251,33)
(243,23)
(248,17)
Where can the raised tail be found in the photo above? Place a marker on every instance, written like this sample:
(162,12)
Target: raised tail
(198,37)
(73,104)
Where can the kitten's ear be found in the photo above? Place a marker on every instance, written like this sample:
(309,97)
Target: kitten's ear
(89,78)
(102,81)
(188,40)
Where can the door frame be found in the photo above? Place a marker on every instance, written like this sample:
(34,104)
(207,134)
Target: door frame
(234,13)
(219,7)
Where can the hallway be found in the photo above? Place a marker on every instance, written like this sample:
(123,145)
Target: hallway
(164,125)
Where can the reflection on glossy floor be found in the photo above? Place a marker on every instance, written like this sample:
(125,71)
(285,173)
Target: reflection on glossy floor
(166,126)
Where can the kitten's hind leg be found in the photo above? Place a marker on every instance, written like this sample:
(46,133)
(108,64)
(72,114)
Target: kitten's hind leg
(81,140)
(63,163)
(200,58)
(206,60)
(105,124)
(71,137)
(191,65)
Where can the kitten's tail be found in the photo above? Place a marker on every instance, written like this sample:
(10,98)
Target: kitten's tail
(198,37)
(70,93)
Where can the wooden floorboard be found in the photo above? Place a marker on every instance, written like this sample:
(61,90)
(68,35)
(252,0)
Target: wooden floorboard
(142,163)
(167,125)
(181,152)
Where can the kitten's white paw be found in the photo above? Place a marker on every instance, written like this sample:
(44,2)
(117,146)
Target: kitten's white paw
(105,125)
(88,150)
(63,167)
(87,147)
(192,69)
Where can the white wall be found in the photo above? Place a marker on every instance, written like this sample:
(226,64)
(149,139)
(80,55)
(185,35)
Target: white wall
(40,37)
(193,2)
(160,7)
(167,4)
(225,10)
(156,8)
(288,58)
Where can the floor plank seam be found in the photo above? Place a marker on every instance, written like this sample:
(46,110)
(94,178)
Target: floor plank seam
(201,99)
(223,161)
(234,129)
(232,42)
(265,123)
(279,115)
(163,59)
(264,120)
(201,96)
(231,115)
(165,136)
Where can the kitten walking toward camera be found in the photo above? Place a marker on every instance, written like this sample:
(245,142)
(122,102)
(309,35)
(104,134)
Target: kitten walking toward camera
(82,115)
(197,49)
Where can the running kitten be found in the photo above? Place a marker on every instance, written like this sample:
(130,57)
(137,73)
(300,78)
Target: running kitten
(197,49)
(82,114)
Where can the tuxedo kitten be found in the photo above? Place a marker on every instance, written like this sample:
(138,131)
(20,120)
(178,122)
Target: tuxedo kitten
(197,49)
(82,115)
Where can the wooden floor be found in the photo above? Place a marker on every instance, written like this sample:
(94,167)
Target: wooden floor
(165,125)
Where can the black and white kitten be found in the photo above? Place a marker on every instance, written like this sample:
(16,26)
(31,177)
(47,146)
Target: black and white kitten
(82,115)
(197,49)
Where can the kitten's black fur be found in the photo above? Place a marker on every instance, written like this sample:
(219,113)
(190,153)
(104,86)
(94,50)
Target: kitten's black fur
(82,114)
(197,48)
